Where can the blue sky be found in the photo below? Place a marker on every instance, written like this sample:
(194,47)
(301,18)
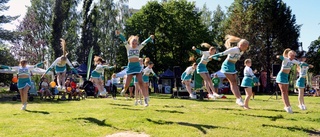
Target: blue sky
(307,14)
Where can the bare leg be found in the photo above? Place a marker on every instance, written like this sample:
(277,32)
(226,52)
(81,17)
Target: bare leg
(232,78)
(301,97)
(284,94)
(248,95)
(206,83)
(188,87)
(63,77)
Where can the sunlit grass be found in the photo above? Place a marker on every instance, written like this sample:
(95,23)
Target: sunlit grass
(165,117)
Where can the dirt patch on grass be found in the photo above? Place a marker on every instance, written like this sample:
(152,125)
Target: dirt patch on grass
(128,134)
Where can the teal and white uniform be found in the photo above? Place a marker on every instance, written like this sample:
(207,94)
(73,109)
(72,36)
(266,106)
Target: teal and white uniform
(282,77)
(249,78)
(234,54)
(134,67)
(98,71)
(146,72)
(187,74)
(301,81)
(61,67)
(202,68)
(23,82)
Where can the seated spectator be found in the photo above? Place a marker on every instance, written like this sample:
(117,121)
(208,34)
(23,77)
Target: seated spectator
(45,92)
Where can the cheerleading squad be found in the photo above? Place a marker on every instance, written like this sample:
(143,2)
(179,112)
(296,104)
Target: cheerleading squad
(139,77)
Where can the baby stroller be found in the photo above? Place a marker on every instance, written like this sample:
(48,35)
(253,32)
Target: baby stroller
(89,88)
(32,92)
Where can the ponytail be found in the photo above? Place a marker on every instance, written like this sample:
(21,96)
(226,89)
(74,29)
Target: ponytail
(231,40)
(64,48)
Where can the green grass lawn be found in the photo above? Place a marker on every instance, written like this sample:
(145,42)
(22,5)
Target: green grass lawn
(165,117)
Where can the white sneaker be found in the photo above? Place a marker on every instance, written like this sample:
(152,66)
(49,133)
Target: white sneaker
(146,102)
(24,106)
(114,98)
(288,109)
(122,92)
(192,96)
(210,96)
(239,102)
(217,95)
(140,102)
(302,107)
(136,103)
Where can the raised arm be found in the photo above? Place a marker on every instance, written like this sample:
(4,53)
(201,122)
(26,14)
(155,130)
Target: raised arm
(39,64)
(226,52)
(4,67)
(72,68)
(197,50)
(145,42)
(51,66)
(280,57)
(122,38)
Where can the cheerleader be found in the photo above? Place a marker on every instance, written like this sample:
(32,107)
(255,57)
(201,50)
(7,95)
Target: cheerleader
(203,71)
(301,82)
(186,78)
(228,66)
(60,66)
(248,81)
(96,75)
(283,76)
(133,51)
(146,72)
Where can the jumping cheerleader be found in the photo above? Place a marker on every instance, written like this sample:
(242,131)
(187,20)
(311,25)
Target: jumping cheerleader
(203,71)
(302,69)
(133,51)
(283,76)
(248,81)
(186,79)
(60,66)
(228,66)
(96,75)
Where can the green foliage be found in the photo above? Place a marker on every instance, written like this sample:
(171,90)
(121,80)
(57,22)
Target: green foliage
(165,117)
(268,25)
(6,34)
(313,56)
(177,27)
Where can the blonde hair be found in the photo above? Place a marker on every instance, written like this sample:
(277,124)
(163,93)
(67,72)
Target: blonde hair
(231,40)
(285,52)
(64,47)
(146,61)
(97,59)
(247,61)
(206,45)
(132,37)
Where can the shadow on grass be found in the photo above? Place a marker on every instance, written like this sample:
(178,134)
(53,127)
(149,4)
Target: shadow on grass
(134,109)
(167,106)
(272,118)
(94,121)
(35,111)
(228,109)
(170,111)
(200,127)
(311,131)
(124,105)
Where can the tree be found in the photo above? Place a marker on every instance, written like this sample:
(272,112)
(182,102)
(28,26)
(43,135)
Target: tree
(60,13)
(177,27)
(5,34)
(313,56)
